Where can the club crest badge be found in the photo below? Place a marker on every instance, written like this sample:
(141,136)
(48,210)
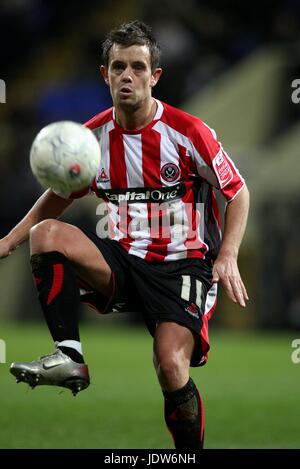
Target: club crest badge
(170,172)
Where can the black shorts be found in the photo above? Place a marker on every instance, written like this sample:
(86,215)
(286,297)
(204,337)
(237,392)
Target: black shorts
(180,291)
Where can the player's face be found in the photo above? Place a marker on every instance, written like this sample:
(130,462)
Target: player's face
(129,75)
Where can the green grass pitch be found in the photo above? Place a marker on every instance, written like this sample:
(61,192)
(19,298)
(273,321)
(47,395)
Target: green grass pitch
(250,389)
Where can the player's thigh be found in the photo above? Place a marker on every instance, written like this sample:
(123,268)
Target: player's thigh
(87,259)
(85,256)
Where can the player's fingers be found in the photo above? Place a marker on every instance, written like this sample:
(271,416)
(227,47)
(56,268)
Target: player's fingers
(229,290)
(216,277)
(244,290)
(215,274)
(237,291)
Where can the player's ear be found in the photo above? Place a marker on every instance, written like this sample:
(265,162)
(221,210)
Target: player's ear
(155,76)
(104,73)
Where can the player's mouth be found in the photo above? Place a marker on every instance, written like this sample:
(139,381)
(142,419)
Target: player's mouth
(125,91)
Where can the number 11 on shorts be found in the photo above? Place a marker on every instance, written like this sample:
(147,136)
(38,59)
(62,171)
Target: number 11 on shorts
(186,290)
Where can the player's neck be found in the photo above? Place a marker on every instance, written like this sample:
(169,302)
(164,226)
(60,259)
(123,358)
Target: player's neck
(136,118)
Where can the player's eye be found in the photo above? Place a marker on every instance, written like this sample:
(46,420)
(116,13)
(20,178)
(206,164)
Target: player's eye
(139,67)
(118,67)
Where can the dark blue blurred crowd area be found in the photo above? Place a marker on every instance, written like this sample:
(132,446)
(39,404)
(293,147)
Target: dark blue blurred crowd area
(29,31)
(203,38)
(51,52)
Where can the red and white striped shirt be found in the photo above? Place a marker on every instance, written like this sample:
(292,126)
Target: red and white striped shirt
(158,184)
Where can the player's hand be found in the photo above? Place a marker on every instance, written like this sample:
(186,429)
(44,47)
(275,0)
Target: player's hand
(226,270)
(5,248)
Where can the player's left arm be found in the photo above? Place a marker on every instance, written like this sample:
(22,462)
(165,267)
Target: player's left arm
(217,168)
(225,267)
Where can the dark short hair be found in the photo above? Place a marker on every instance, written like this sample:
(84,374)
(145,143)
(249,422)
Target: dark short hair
(129,34)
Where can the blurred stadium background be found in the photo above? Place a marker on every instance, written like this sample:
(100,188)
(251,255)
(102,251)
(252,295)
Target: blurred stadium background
(232,64)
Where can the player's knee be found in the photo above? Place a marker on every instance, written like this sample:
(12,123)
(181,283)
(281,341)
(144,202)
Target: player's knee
(43,236)
(168,366)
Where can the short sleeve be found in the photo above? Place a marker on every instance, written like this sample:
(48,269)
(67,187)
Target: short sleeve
(213,163)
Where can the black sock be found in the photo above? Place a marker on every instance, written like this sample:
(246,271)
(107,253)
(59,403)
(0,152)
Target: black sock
(184,416)
(55,280)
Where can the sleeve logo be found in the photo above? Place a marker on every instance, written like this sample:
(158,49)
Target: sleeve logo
(222,169)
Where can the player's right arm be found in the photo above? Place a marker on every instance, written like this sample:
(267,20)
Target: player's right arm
(49,205)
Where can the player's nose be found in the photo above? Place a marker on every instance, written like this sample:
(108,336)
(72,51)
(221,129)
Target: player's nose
(127,75)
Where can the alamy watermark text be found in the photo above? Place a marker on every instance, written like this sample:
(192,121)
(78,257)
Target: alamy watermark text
(2,351)
(2,91)
(295,96)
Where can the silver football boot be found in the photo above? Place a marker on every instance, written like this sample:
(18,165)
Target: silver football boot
(56,369)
